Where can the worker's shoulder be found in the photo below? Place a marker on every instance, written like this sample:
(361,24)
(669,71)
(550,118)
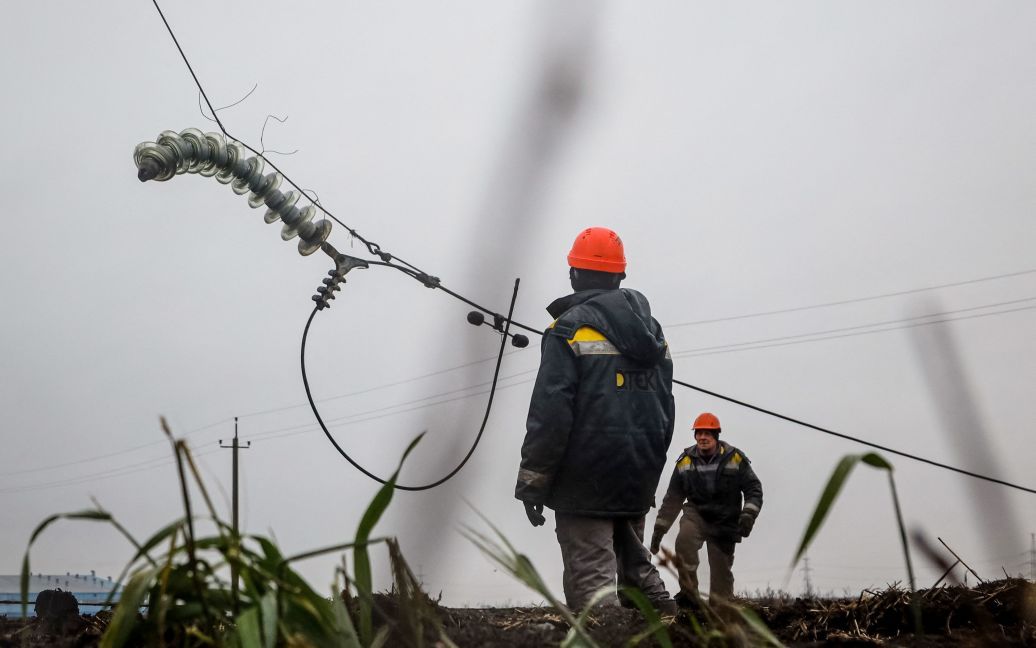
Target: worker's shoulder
(575,332)
(736,455)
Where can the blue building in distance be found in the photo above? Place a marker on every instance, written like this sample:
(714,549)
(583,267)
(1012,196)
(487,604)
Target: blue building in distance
(89,589)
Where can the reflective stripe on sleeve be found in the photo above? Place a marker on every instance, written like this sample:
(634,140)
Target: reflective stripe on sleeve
(589,341)
(533,478)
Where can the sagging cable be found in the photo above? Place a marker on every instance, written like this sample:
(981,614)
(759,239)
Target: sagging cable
(325,293)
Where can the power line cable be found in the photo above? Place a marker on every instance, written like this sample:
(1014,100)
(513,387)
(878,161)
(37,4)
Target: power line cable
(150,464)
(368,390)
(800,338)
(853,300)
(848,437)
(108,455)
(349,420)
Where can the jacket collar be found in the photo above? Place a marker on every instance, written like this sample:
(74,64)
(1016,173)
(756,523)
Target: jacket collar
(558,307)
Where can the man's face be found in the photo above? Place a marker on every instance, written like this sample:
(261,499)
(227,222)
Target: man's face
(706,442)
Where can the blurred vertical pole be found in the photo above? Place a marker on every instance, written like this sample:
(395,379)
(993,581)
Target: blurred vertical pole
(235,446)
(1032,558)
(965,429)
(507,219)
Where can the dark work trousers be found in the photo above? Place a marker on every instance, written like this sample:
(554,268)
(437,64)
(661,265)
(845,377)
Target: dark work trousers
(694,532)
(598,551)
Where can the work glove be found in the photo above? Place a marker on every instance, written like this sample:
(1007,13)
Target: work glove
(745,524)
(656,542)
(535,513)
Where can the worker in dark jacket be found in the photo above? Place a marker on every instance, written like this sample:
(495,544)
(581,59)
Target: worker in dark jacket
(709,481)
(599,425)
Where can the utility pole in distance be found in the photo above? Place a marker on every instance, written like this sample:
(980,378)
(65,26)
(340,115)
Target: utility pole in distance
(809,583)
(235,446)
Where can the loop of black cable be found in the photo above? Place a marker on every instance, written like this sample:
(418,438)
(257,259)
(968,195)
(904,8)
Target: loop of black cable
(416,273)
(855,439)
(478,437)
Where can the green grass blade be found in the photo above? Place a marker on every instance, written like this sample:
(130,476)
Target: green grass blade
(96,515)
(268,611)
(655,624)
(875,460)
(346,631)
(521,568)
(759,627)
(248,634)
(827,499)
(381,639)
(361,557)
(142,551)
(125,617)
(595,598)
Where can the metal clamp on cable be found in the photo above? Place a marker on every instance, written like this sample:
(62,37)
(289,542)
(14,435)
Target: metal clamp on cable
(475,318)
(343,264)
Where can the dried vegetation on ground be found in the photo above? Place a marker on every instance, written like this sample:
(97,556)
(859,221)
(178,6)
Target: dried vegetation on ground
(995,613)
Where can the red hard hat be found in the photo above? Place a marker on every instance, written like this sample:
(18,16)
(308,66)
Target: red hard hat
(598,248)
(706,421)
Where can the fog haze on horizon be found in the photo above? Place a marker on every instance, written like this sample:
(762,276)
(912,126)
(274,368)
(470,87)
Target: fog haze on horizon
(753,158)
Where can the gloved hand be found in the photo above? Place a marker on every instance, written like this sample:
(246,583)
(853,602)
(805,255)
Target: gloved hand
(535,513)
(656,542)
(745,524)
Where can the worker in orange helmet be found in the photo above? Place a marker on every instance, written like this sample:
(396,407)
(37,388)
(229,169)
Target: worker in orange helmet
(709,482)
(599,426)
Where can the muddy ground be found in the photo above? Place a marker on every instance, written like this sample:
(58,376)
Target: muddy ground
(993,614)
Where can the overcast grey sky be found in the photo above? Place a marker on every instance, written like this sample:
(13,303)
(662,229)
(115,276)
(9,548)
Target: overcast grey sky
(753,157)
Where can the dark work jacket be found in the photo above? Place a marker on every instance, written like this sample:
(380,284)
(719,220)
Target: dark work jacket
(601,416)
(713,489)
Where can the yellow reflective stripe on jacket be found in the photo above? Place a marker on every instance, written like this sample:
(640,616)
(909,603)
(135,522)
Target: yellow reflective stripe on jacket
(589,341)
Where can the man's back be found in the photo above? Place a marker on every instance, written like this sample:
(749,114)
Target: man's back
(601,416)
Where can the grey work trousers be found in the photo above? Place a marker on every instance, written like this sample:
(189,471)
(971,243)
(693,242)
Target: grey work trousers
(596,551)
(694,532)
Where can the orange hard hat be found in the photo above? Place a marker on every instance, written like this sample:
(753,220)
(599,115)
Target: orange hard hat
(706,421)
(598,248)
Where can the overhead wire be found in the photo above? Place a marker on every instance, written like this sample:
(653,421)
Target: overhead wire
(433,282)
(801,338)
(854,300)
(150,464)
(848,437)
